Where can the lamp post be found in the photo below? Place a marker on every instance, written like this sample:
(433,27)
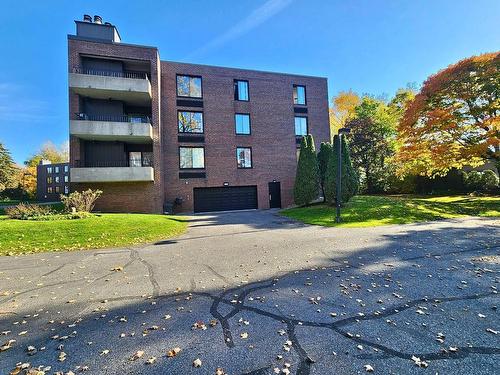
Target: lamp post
(339,171)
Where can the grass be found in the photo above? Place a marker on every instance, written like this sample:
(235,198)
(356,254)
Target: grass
(369,211)
(106,230)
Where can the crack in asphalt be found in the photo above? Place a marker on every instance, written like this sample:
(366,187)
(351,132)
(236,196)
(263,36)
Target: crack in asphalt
(134,255)
(305,361)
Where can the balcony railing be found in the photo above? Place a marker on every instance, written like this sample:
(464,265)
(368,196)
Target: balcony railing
(113,163)
(113,118)
(111,73)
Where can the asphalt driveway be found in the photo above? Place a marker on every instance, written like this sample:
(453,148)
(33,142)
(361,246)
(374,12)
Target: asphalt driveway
(255,293)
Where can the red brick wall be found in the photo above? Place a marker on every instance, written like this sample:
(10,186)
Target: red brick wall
(272,129)
(125,197)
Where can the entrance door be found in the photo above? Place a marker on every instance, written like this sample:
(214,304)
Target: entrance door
(274,194)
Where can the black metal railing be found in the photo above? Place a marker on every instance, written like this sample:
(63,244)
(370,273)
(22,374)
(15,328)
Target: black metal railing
(111,73)
(114,118)
(113,163)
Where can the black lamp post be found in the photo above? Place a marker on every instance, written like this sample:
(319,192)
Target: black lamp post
(339,171)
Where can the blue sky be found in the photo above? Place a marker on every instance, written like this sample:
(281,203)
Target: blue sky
(369,46)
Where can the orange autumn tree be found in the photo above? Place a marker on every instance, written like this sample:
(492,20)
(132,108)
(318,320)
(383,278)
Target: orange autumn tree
(454,120)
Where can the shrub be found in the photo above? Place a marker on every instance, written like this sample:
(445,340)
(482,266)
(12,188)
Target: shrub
(81,201)
(14,194)
(473,181)
(489,180)
(307,178)
(350,179)
(26,211)
(324,153)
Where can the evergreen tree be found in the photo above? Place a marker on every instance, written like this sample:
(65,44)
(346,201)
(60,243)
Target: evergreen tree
(307,178)
(350,177)
(7,168)
(324,153)
(350,181)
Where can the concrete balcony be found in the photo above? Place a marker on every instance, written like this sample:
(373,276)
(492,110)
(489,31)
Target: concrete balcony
(112,128)
(112,174)
(131,87)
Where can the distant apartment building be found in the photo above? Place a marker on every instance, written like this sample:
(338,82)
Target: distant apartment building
(154,134)
(52,180)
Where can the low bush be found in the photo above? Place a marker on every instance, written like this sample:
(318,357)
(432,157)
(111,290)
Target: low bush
(81,201)
(26,211)
(489,180)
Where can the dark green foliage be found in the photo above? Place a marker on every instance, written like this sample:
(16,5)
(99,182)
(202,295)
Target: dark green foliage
(16,193)
(489,180)
(473,181)
(349,175)
(453,182)
(350,180)
(7,168)
(307,178)
(324,153)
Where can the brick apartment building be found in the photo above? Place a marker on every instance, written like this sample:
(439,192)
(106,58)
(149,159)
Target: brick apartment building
(152,133)
(52,180)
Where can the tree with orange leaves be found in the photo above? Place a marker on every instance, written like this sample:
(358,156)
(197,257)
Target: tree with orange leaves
(454,120)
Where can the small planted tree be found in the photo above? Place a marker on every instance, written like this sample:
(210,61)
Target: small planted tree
(81,201)
(307,177)
(324,154)
(350,180)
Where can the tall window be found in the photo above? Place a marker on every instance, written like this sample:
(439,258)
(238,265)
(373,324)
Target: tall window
(66,189)
(56,179)
(190,122)
(299,94)
(49,180)
(189,86)
(242,123)
(58,189)
(240,90)
(66,169)
(66,179)
(244,157)
(49,170)
(56,169)
(191,157)
(300,126)
(50,190)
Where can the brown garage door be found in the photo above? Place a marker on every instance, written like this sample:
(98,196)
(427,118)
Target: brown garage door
(225,198)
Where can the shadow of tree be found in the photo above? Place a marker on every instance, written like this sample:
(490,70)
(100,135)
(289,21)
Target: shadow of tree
(381,305)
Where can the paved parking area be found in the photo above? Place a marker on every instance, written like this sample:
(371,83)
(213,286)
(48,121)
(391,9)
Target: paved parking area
(255,293)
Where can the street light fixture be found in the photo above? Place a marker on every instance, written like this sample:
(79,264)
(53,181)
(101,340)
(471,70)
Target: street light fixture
(339,171)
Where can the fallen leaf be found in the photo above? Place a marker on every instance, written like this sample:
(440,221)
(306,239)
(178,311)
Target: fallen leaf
(138,354)
(368,368)
(173,352)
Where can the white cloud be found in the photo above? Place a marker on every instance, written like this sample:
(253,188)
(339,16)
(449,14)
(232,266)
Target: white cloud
(258,16)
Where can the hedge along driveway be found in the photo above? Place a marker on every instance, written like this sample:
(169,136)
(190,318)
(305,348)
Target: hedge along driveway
(100,231)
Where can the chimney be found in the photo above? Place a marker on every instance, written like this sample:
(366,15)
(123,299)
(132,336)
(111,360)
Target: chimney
(99,30)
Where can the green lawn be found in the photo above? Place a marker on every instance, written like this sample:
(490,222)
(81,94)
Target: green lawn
(106,230)
(368,211)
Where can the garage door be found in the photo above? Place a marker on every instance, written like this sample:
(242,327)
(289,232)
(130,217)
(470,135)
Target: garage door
(225,198)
